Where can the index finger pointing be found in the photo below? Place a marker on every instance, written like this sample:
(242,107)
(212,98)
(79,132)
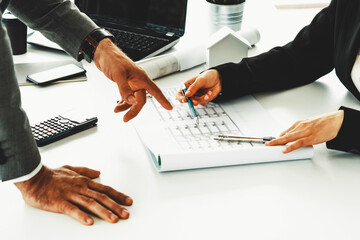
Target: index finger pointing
(155,91)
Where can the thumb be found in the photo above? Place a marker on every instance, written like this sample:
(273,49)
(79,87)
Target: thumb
(126,92)
(195,87)
(84,171)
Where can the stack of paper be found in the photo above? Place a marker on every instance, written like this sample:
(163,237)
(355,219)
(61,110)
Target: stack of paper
(289,4)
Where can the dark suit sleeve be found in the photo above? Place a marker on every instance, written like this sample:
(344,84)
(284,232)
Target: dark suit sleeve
(59,20)
(348,137)
(19,155)
(302,61)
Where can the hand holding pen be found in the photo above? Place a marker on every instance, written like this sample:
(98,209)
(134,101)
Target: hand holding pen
(202,89)
(191,106)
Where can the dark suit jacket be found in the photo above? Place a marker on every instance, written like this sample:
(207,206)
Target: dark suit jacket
(332,40)
(60,21)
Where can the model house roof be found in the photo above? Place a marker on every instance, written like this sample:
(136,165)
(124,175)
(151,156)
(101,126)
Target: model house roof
(225,33)
(226,46)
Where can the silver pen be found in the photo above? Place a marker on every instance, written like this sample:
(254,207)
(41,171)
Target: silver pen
(235,138)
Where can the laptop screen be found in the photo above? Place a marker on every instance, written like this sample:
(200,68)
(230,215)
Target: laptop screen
(160,15)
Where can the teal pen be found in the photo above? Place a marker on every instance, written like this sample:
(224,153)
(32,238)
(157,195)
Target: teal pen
(191,106)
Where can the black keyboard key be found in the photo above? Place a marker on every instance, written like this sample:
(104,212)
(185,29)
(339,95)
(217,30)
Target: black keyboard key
(135,41)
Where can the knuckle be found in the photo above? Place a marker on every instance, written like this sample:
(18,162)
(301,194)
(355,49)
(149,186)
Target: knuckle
(66,166)
(308,130)
(297,122)
(302,125)
(82,180)
(102,196)
(89,201)
(283,138)
(106,189)
(300,142)
(306,124)
(66,208)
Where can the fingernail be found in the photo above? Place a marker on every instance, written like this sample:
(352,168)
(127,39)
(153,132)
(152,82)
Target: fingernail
(89,221)
(188,93)
(114,217)
(209,93)
(128,201)
(131,99)
(206,97)
(125,213)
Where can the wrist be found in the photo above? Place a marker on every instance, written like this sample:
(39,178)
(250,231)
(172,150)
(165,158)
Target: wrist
(27,176)
(106,48)
(92,41)
(107,54)
(35,180)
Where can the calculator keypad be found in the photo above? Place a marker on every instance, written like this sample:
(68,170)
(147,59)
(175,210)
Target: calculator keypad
(51,127)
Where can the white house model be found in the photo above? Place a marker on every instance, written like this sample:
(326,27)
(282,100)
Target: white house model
(226,46)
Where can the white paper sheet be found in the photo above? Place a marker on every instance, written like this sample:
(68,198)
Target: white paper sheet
(158,129)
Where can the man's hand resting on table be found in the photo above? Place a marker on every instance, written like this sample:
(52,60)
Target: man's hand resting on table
(131,80)
(71,191)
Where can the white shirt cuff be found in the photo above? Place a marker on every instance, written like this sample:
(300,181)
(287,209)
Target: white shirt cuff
(27,176)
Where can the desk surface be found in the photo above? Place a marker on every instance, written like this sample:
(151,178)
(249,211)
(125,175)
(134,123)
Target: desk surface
(308,199)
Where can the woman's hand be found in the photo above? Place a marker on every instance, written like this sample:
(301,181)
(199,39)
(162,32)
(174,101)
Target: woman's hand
(310,131)
(202,89)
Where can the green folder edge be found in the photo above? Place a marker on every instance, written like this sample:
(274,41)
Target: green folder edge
(157,160)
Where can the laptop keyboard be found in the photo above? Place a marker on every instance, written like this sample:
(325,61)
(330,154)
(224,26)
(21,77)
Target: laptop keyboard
(135,41)
(213,121)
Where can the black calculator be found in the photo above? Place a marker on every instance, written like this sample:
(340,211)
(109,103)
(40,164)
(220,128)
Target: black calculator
(59,127)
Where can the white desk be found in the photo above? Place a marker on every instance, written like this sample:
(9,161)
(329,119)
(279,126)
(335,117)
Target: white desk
(309,199)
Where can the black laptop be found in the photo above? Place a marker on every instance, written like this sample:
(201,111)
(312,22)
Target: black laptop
(143,28)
